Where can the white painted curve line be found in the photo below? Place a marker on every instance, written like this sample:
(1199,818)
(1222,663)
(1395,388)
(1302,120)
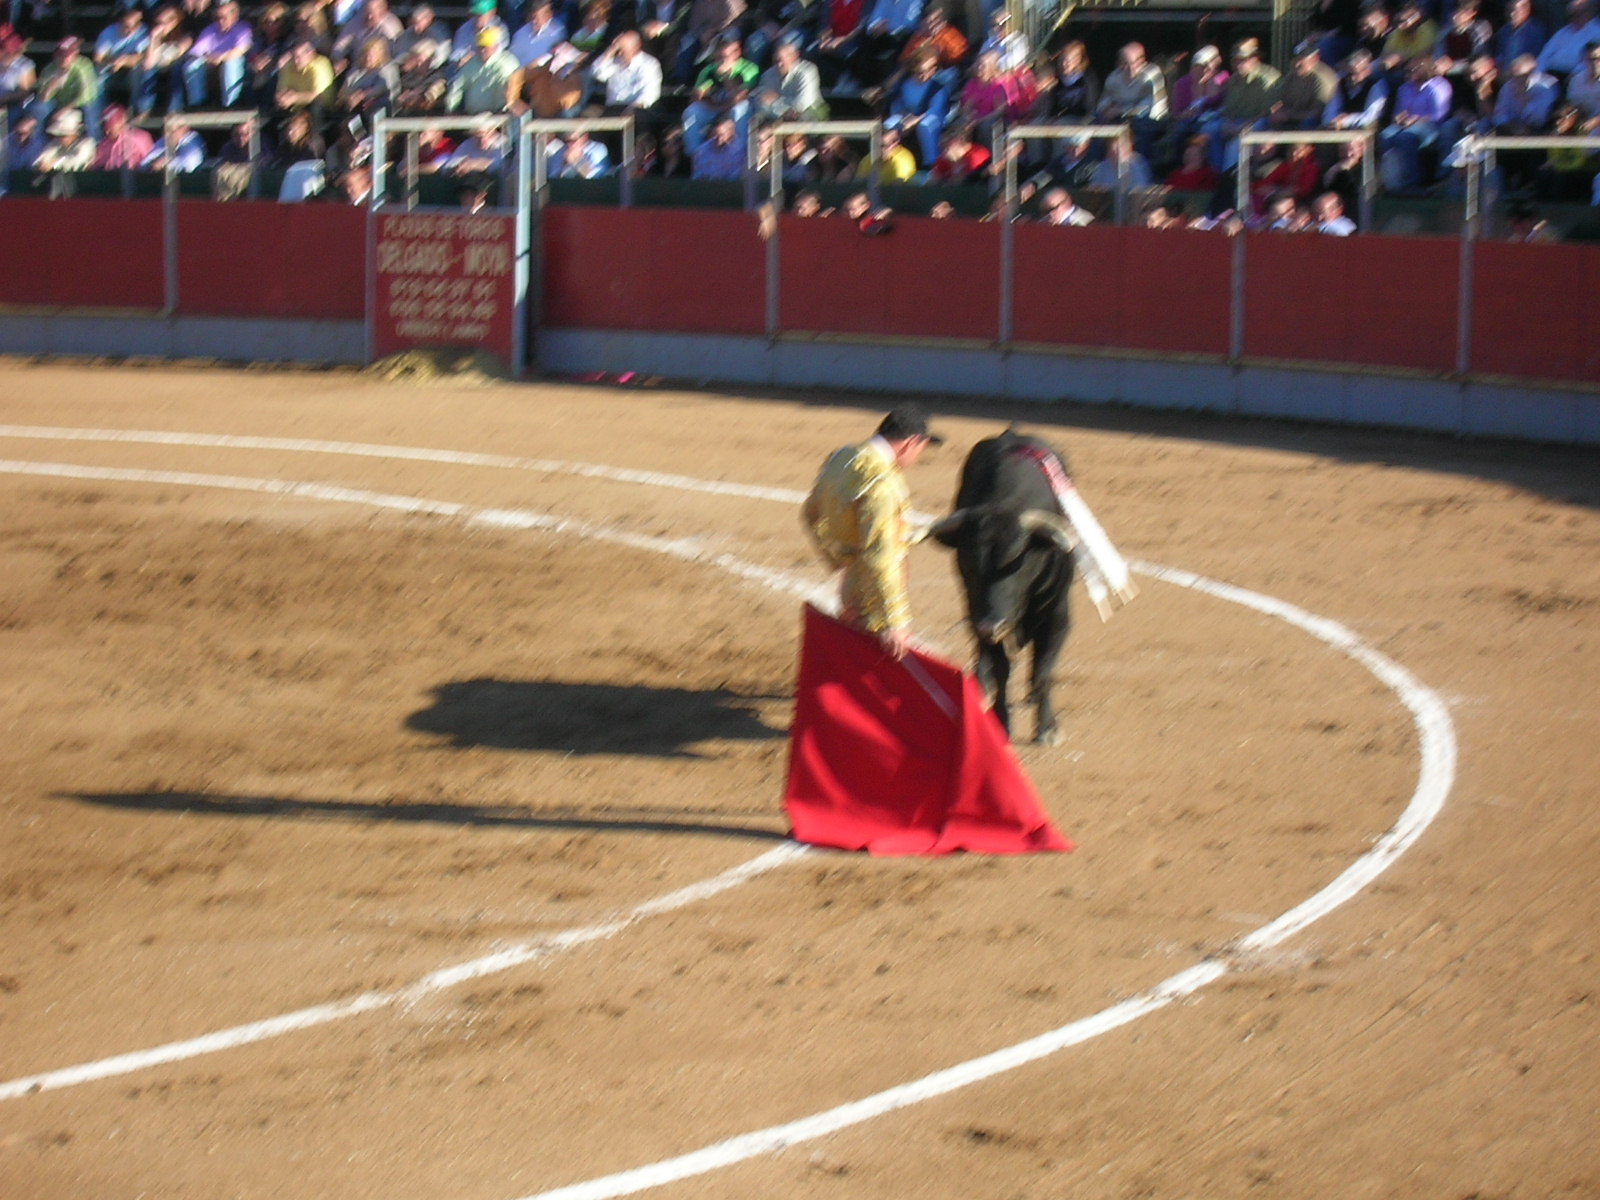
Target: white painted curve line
(685,549)
(464,458)
(436,981)
(1435,776)
(1436,748)
(240,1035)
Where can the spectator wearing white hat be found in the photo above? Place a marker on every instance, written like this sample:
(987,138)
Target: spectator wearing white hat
(69,149)
(1198,91)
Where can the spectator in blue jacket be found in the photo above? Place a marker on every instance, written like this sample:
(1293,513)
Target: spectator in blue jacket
(922,104)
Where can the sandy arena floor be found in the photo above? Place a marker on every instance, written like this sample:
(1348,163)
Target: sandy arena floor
(267,751)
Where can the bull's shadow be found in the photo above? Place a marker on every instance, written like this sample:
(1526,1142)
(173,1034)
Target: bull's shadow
(589,718)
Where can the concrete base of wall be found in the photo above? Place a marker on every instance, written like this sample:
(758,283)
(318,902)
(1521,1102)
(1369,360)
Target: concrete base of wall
(1472,407)
(228,338)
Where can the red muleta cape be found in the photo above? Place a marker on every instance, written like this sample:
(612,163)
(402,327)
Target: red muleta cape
(901,758)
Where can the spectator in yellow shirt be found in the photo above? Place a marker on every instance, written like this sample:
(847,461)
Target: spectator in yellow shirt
(897,164)
(305,82)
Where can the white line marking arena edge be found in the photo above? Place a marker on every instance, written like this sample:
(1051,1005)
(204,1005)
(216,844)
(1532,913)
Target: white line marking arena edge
(1436,775)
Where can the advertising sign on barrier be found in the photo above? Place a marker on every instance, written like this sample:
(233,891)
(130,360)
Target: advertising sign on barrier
(444,279)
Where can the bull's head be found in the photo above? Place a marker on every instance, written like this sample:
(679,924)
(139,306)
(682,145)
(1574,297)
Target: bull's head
(992,546)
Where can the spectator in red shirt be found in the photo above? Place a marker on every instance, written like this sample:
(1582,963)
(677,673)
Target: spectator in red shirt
(1195,173)
(1297,174)
(961,160)
(123,145)
(840,42)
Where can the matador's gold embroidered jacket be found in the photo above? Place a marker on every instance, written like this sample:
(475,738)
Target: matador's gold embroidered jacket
(857,514)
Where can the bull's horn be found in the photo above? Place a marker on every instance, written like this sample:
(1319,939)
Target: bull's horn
(947,527)
(1053,525)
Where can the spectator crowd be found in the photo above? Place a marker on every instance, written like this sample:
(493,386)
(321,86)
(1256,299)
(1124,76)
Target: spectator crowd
(707,79)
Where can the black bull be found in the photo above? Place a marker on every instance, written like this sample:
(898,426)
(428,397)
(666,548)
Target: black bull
(1013,551)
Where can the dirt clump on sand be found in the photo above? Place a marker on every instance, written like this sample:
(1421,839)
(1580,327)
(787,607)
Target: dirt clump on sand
(440,364)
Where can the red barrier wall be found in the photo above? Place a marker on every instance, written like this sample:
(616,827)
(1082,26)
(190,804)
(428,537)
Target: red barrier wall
(1536,311)
(1142,289)
(654,269)
(1380,301)
(1385,301)
(88,253)
(261,259)
(923,278)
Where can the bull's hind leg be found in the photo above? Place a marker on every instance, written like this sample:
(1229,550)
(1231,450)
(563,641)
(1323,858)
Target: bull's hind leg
(1046,652)
(994,675)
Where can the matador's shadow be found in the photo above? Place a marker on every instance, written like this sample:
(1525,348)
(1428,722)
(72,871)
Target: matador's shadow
(590,718)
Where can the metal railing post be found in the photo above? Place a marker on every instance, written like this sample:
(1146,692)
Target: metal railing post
(527,268)
(380,161)
(874,156)
(1469,234)
(1245,154)
(1119,209)
(1236,301)
(1006,329)
(1369,187)
(625,182)
(169,224)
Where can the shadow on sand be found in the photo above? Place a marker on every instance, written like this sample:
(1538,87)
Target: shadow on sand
(589,718)
(607,820)
(566,718)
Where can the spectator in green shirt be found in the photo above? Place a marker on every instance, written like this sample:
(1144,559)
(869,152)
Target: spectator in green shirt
(70,81)
(1251,94)
(728,72)
(483,84)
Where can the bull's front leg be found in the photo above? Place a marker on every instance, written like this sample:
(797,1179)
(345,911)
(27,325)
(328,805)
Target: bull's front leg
(994,674)
(1047,646)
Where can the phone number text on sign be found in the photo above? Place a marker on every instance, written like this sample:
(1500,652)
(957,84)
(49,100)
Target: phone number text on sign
(444,280)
